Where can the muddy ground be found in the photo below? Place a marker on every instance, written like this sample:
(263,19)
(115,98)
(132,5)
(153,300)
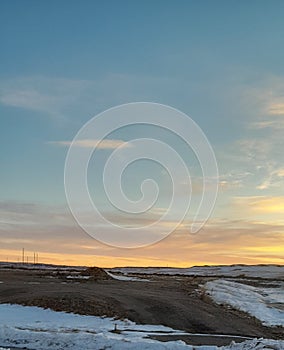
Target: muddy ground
(174,301)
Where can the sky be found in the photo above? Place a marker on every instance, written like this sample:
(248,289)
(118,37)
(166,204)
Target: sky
(220,62)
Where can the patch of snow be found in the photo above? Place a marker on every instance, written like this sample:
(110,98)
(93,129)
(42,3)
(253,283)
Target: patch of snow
(79,277)
(258,344)
(266,304)
(126,278)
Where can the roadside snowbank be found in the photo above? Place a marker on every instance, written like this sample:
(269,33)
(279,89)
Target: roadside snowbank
(266,304)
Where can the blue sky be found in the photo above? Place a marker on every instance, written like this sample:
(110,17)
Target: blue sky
(221,62)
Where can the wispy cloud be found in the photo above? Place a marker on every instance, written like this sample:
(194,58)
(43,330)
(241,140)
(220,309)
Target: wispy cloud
(28,99)
(233,179)
(276,108)
(256,149)
(265,124)
(274,178)
(266,100)
(261,204)
(98,144)
(64,98)
(259,158)
(51,96)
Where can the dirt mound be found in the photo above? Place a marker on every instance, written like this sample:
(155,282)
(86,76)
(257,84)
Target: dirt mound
(96,273)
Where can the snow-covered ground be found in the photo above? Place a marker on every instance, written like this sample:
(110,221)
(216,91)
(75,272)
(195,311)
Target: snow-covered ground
(264,303)
(262,271)
(36,328)
(41,329)
(30,266)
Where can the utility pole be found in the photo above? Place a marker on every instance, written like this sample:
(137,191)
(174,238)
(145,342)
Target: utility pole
(23,255)
(34,258)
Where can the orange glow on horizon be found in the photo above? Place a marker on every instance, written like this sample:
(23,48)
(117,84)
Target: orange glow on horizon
(109,262)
